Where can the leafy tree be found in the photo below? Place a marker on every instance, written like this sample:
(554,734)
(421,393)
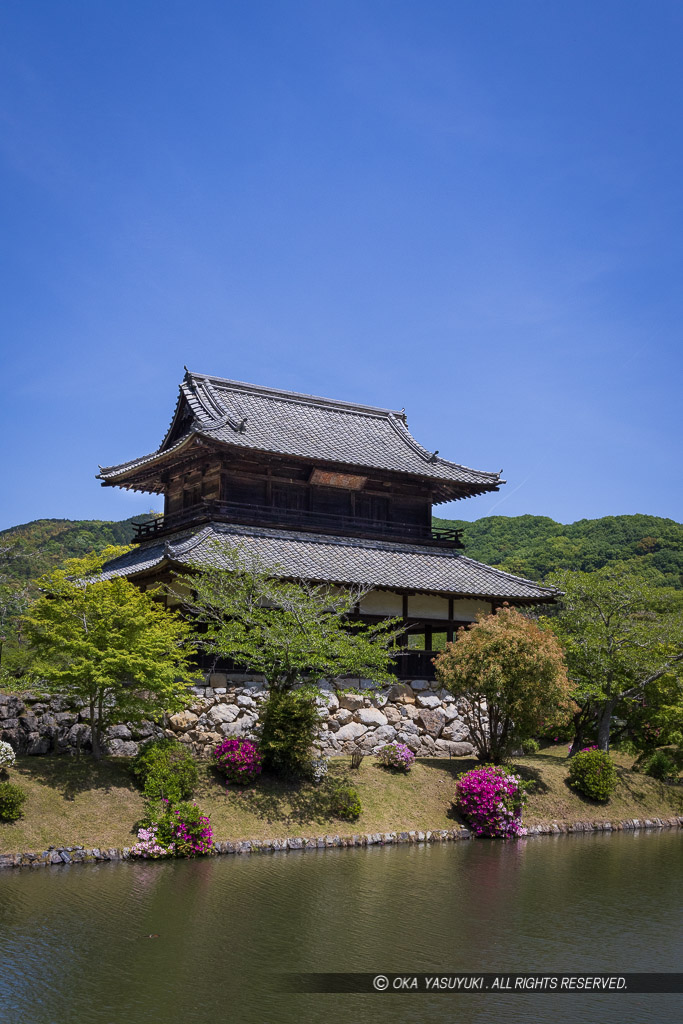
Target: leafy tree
(14,598)
(512,676)
(293,632)
(623,640)
(109,644)
(290,723)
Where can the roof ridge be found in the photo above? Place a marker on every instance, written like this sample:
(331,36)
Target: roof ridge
(336,539)
(298,397)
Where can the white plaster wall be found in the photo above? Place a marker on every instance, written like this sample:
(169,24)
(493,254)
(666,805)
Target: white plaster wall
(382,602)
(467,609)
(427,606)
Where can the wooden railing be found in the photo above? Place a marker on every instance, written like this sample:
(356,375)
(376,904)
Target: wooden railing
(265,515)
(410,665)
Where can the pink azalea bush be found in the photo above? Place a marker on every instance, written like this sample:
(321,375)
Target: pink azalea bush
(181,831)
(396,755)
(238,760)
(491,799)
(148,845)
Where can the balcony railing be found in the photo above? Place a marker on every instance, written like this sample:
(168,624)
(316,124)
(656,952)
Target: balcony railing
(320,522)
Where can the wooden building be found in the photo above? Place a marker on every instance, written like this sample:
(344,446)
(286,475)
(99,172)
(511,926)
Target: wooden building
(323,490)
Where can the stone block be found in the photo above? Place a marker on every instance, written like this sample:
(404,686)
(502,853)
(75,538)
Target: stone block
(351,701)
(385,734)
(370,716)
(222,713)
(122,748)
(118,732)
(182,720)
(399,690)
(427,700)
(432,721)
(352,731)
(37,744)
(419,684)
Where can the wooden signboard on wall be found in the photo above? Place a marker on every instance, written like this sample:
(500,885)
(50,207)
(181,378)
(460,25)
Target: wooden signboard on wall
(323,478)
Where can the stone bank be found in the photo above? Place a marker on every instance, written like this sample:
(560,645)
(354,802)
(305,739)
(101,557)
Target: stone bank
(418,713)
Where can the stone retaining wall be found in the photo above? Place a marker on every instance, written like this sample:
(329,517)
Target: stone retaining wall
(59,855)
(418,713)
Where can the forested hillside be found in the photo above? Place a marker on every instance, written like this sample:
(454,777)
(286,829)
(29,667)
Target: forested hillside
(534,546)
(531,546)
(31,549)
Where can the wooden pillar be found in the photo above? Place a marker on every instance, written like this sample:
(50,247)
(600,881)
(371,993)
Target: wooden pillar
(403,640)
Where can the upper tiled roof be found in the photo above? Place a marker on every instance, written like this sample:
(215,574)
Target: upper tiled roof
(327,559)
(263,419)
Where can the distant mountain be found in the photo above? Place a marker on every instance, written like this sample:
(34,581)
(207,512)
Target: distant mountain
(534,546)
(29,550)
(530,546)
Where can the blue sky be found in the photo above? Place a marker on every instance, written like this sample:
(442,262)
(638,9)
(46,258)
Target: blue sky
(470,210)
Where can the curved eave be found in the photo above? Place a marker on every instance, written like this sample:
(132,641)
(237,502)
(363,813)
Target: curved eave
(128,474)
(330,559)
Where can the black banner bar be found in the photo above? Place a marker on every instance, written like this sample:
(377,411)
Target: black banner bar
(470,982)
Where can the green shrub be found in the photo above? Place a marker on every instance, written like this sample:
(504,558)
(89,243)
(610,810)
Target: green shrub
(165,768)
(344,801)
(179,830)
(592,773)
(660,765)
(11,801)
(289,726)
(531,746)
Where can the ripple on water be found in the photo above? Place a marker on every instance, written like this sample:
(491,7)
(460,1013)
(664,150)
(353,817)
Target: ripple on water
(184,941)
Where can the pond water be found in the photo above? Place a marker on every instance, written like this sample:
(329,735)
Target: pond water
(76,945)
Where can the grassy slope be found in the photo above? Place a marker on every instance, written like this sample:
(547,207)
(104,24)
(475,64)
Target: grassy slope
(79,802)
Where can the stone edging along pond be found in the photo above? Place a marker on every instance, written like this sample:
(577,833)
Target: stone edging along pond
(81,855)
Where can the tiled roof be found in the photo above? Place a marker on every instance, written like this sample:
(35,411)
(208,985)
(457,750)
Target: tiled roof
(327,559)
(248,416)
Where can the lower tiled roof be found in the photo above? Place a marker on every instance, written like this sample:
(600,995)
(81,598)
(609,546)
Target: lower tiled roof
(326,559)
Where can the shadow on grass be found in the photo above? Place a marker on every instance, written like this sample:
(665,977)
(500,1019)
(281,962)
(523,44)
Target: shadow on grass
(287,803)
(290,801)
(71,775)
(454,766)
(532,777)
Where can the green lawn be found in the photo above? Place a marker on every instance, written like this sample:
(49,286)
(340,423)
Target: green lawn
(72,802)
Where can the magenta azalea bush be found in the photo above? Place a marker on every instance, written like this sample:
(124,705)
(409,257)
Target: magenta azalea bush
(396,755)
(491,799)
(238,760)
(181,831)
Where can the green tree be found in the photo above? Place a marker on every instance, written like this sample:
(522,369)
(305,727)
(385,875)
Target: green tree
(621,636)
(14,598)
(108,644)
(512,677)
(293,632)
